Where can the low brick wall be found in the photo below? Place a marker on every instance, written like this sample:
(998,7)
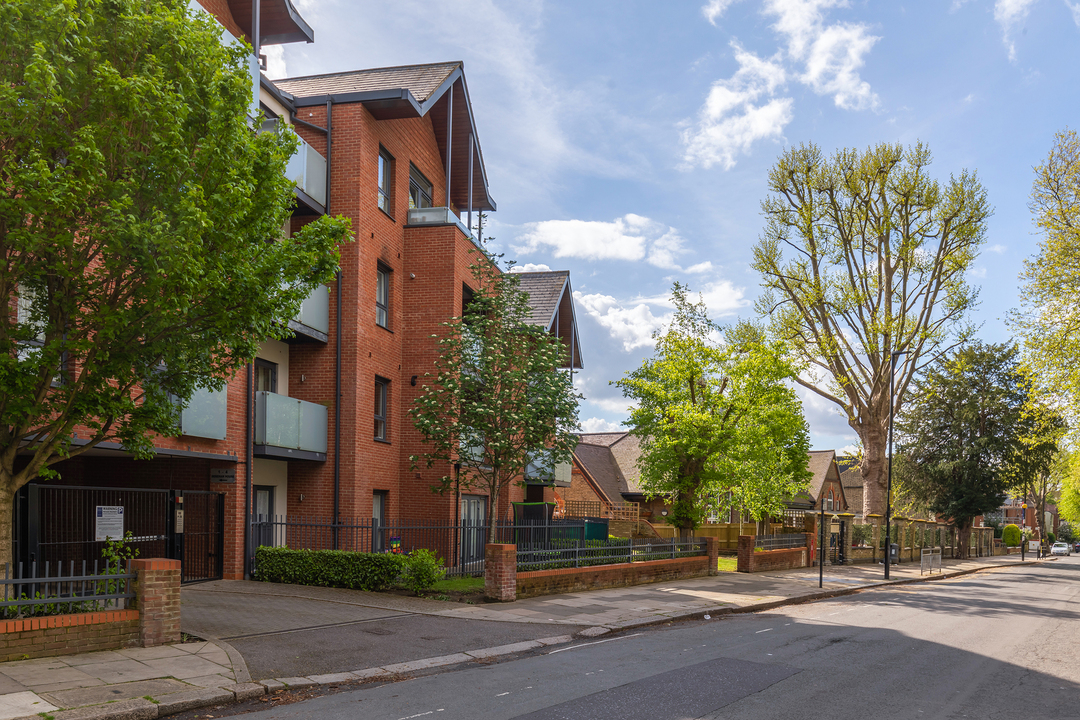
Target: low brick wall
(548,582)
(156,620)
(750,561)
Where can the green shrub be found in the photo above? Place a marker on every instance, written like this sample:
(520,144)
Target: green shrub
(1051,537)
(328,568)
(422,570)
(1010,535)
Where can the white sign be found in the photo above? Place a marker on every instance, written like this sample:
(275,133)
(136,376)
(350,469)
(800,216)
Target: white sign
(109,522)
(1033,545)
(223,475)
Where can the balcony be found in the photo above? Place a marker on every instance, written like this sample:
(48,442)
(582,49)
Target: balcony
(542,470)
(313,320)
(204,415)
(432,216)
(307,168)
(289,429)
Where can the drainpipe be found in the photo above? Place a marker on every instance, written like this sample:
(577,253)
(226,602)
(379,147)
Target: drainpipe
(337,339)
(250,395)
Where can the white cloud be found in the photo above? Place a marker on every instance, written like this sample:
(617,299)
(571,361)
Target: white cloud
(1008,14)
(275,61)
(997,249)
(613,405)
(599,425)
(732,118)
(633,327)
(631,237)
(831,54)
(530,267)
(715,8)
(749,106)
(1075,7)
(633,322)
(979,273)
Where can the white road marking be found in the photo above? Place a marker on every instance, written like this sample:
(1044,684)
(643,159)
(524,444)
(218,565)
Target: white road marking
(501,694)
(598,642)
(761,631)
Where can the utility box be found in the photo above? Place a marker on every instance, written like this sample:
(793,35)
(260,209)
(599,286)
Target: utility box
(894,554)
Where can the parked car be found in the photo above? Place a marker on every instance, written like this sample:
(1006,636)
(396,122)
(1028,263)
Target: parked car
(1060,548)
(1077,548)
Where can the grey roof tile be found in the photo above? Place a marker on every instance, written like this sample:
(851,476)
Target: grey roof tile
(545,291)
(420,80)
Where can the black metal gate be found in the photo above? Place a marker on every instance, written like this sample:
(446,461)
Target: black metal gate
(61,524)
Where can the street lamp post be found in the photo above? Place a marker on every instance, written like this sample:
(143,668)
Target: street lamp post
(888,489)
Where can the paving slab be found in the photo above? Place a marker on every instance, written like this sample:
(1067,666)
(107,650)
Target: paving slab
(188,666)
(137,709)
(21,704)
(109,693)
(121,671)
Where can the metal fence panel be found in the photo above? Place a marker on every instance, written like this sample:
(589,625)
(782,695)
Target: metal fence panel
(780,542)
(46,590)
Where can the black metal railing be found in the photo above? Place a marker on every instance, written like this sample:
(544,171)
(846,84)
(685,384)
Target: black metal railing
(459,545)
(34,590)
(576,554)
(780,542)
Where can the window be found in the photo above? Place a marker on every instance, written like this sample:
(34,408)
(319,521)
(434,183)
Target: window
(382,296)
(378,521)
(419,189)
(265,375)
(382,396)
(386,173)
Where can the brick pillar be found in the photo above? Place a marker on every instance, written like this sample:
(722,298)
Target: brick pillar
(500,572)
(157,597)
(713,546)
(746,554)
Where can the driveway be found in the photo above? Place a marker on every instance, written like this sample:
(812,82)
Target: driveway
(294,631)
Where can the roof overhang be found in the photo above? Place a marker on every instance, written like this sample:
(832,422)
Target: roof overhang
(279,22)
(563,324)
(400,103)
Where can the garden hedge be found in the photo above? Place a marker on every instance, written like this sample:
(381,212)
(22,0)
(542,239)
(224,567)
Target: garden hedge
(328,568)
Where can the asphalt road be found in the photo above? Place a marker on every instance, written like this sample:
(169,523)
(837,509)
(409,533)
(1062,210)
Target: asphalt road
(283,636)
(1000,644)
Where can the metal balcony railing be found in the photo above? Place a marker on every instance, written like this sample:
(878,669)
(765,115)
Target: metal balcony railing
(284,424)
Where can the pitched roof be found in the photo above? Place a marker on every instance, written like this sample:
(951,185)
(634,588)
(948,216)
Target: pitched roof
(626,451)
(420,80)
(599,463)
(552,303)
(605,439)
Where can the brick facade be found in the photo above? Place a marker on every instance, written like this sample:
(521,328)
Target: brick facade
(158,600)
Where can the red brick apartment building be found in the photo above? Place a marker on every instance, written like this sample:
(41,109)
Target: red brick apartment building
(317,426)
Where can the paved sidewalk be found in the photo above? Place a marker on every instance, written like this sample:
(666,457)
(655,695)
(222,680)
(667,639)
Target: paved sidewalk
(154,682)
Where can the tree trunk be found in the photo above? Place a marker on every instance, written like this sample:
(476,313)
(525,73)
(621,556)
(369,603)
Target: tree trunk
(7,498)
(493,514)
(963,540)
(874,468)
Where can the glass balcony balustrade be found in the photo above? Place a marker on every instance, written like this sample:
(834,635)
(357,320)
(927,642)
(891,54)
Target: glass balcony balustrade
(205,414)
(315,311)
(307,168)
(284,423)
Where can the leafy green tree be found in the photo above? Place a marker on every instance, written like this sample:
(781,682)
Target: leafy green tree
(138,210)
(719,424)
(864,254)
(1049,311)
(959,437)
(1039,466)
(497,401)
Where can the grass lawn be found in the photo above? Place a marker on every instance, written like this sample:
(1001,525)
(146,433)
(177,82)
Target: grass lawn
(726,564)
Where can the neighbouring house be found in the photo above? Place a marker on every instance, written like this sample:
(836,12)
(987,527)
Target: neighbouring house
(317,426)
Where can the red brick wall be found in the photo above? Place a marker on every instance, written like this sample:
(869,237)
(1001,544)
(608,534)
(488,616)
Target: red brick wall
(750,561)
(68,634)
(549,582)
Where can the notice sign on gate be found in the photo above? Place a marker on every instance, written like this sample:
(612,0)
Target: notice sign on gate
(109,522)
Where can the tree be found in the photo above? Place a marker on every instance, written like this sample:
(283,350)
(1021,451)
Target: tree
(1049,313)
(864,254)
(497,401)
(960,435)
(719,424)
(1039,465)
(138,209)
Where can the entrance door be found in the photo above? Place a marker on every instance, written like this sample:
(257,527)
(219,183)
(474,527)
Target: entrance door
(263,528)
(378,521)
(473,527)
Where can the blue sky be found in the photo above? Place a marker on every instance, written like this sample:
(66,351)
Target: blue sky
(629,142)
